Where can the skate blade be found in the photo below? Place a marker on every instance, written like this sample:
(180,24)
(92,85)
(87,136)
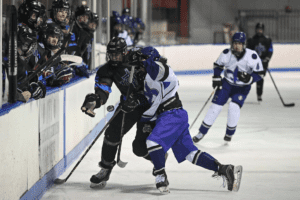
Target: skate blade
(238,170)
(164,190)
(98,185)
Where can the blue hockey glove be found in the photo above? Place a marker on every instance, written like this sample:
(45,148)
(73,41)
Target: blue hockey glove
(81,70)
(217,82)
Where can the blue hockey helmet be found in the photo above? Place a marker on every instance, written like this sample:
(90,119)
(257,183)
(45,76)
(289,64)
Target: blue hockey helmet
(115,14)
(151,52)
(238,37)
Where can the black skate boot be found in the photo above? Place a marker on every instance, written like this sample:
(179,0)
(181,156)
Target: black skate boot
(99,180)
(259,99)
(161,181)
(198,137)
(232,175)
(227,138)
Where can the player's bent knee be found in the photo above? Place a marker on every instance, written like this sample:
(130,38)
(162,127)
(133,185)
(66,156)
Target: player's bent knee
(236,103)
(139,148)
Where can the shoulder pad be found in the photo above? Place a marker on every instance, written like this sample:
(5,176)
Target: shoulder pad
(226,51)
(254,56)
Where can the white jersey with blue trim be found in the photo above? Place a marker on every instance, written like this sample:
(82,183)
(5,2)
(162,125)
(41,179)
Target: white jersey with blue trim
(249,63)
(126,37)
(160,85)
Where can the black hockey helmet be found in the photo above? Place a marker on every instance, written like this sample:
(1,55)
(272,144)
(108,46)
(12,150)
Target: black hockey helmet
(126,11)
(27,41)
(52,36)
(260,25)
(60,12)
(29,12)
(82,15)
(93,22)
(116,51)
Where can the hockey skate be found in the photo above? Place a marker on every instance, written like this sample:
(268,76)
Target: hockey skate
(227,138)
(98,181)
(259,99)
(198,137)
(162,183)
(232,175)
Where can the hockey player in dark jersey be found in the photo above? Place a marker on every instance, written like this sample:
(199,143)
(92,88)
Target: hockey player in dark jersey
(262,44)
(114,71)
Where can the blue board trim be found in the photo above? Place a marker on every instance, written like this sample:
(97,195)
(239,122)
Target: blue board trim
(40,187)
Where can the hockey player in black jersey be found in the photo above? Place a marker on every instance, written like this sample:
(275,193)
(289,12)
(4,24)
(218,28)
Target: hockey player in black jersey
(114,71)
(262,44)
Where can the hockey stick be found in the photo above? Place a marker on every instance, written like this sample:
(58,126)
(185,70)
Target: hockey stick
(119,161)
(40,69)
(286,105)
(203,107)
(61,181)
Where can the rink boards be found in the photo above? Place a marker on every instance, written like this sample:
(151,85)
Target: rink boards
(40,139)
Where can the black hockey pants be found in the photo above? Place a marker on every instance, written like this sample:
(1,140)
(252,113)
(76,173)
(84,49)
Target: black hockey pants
(260,84)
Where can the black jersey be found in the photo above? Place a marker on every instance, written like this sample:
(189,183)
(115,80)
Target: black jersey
(78,42)
(108,74)
(262,45)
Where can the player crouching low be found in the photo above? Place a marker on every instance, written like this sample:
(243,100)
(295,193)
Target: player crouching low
(171,128)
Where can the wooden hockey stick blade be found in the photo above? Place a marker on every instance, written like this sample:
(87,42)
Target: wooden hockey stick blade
(71,58)
(121,164)
(289,105)
(59,181)
(238,171)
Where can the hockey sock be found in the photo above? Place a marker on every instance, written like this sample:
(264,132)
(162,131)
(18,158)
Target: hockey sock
(210,118)
(157,155)
(234,111)
(202,159)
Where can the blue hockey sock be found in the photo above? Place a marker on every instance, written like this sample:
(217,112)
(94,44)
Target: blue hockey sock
(204,128)
(157,155)
(205,160)
(230,130)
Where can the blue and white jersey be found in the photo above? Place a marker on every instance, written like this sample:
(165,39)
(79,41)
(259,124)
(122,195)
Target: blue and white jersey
(160,85)
(126,37)
(249,63)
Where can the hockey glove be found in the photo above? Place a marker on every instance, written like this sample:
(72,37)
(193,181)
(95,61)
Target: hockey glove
(37,90)
(244,77)
(135,58)
(91,102)
(217,82)
(62,76)
(81,70)
(130,104)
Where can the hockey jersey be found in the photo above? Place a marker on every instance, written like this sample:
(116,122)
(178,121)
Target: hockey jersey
(160,84)
(249,63)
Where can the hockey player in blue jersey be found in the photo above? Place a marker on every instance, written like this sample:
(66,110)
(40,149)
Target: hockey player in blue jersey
(242,67)
(171,128)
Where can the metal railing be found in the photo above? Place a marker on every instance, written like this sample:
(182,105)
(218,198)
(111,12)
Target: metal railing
(280,26)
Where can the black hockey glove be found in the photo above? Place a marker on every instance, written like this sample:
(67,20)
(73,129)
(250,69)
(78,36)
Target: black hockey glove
(217,82)
(135,58)
(91,102)
(37,90)
(130,104)
(244,77)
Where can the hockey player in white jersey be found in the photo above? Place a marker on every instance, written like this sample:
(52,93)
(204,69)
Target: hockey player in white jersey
(242,67)
(171,128)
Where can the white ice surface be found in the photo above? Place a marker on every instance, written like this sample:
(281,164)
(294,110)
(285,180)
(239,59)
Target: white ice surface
(266,144)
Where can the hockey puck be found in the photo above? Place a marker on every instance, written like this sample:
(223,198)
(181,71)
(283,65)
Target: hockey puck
(110,108)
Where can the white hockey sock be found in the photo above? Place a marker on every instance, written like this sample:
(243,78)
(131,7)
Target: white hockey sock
(212,114)
(233,117)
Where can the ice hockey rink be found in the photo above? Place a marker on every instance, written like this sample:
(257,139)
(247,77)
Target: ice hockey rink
(266,144)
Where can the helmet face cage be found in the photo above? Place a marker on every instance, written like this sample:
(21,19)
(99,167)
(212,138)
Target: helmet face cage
(29,13)
(238,37)
(83,15)
(116,51)
(53,37)
(61,12)
(93,23)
